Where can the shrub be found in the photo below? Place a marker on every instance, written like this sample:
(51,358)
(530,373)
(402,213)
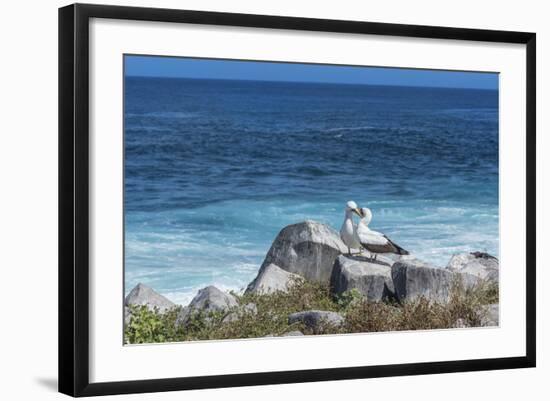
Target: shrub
(349,298)
(465,308)
(150,326)
(270,317)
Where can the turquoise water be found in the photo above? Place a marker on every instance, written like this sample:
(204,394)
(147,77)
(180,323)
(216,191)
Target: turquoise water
(215,169)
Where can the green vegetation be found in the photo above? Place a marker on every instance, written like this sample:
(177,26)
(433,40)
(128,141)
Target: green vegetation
(270,317)
(150,326)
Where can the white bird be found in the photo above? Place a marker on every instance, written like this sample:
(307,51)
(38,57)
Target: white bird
(373,241)
(348,232)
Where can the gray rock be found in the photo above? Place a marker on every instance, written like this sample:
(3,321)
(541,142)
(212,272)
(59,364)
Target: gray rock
(248,309)
(211,298)
(371,278)
(208,300)
(316,320)
(127,316)
(143,295)
(478,264)
(490,315)
(413,279)
(271,279)
(307,249)
(295,333)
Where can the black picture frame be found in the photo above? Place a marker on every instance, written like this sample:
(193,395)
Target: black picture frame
(74,198)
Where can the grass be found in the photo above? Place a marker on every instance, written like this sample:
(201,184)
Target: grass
(465,308)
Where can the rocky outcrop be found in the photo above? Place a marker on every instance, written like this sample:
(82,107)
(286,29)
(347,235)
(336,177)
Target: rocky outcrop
(316,320)
(143,295)
(271,279)
(478,264)
(371,278)
(413,279)
(313,251)
(307,249)
(208,300)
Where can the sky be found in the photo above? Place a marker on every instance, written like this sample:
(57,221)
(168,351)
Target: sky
(179,67)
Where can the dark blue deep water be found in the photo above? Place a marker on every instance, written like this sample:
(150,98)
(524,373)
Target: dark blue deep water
(214,169)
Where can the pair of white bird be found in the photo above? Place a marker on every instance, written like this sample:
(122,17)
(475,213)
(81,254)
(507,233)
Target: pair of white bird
(360,236)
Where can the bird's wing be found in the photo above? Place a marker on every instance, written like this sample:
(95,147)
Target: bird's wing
(369,237)
(378,233)
(375,241)
(398,249)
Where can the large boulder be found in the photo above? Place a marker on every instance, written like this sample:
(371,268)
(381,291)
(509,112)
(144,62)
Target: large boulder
(307,249)
(207,301)
(479,264)
(316,320)
(413,279)
(271,279)
(143,295)
(373,279)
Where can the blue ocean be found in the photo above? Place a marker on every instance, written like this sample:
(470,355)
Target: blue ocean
(214,169)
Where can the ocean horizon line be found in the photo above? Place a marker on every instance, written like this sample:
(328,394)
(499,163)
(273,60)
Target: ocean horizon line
(311,82)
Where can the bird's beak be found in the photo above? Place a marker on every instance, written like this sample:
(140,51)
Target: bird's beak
(358,212)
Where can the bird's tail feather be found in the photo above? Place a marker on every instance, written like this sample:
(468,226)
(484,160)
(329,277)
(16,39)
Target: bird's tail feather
(400,250)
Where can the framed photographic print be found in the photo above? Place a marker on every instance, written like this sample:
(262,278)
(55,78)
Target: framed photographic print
(250,199)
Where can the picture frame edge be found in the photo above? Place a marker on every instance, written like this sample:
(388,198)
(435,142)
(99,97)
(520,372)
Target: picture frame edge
(73,191)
